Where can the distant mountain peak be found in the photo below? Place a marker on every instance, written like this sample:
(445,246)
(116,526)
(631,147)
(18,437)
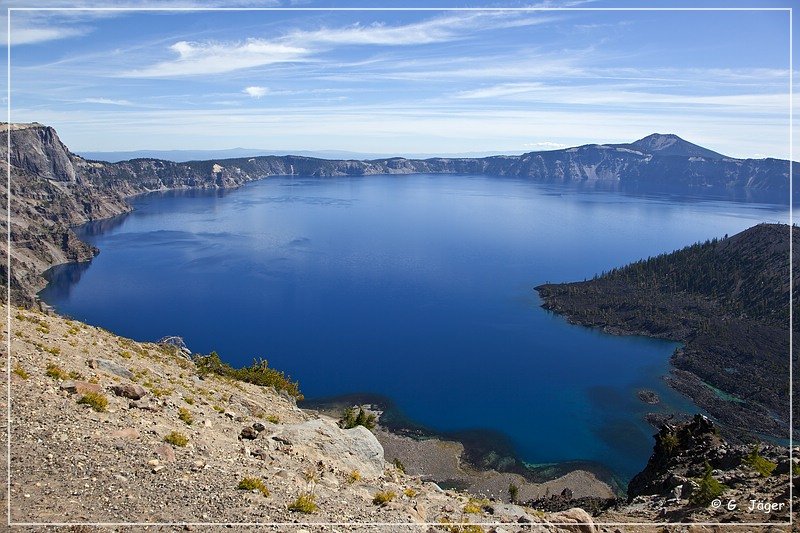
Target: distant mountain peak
(671,144)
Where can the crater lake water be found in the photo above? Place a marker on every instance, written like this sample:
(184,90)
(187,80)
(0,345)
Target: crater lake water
(417,288)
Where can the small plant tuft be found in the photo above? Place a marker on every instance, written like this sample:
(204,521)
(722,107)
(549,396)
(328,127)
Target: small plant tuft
(185,416)
(273,419)
(189,400)
(95,400)
(305,503)
(56,372)
(354,476)
(21,372)
(513,492)
(176,439)
(409,492)
(253,483)
(398,464)
(384,497)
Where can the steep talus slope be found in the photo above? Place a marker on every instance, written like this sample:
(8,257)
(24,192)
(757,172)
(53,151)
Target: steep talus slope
(727,300)
(91,419)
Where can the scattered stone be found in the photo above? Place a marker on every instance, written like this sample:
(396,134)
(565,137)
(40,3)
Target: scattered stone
(81,387)
(126,433)
(143,404)
(248,433)
(129,390)
(165,452)
(259,454)
(110,366)
(258,426)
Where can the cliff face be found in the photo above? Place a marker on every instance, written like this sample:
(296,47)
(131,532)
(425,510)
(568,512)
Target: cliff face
(49,193)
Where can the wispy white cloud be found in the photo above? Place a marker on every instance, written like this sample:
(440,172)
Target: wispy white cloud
(202,58)
(28,35)
(624,95)
(255,91)
(106,101)
(434,30)
(216,57)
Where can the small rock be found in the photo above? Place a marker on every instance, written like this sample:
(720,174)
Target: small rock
(258,426)
(129,390)
(260,454)
(249,433)
(166,452)
(143,404)
(110,366)
(81,387)
(207,423)
(153,462)
(158,468)
(126,433)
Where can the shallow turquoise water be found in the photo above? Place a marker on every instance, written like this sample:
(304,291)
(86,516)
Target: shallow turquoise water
(419,288)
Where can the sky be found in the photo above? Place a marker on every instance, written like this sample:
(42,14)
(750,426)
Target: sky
(404,82)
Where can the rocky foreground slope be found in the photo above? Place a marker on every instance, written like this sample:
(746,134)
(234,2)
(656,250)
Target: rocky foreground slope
(105,429)
(77,462)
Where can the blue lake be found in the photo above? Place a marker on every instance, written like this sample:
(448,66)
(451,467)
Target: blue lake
(418,288)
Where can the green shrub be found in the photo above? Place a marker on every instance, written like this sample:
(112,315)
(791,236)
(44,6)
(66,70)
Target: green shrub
(384,497)
(398,464)
(56,372)
(409,492)
(251,483)
(259,373)
(95,400)
(185,415)
(757,462)
(796,469)
(305,503)
(709,489)
(189,400)
(176,439)
(18,370)
(273,419)
(352,418)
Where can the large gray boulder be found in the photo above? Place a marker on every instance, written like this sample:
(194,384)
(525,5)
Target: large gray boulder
(344,449)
